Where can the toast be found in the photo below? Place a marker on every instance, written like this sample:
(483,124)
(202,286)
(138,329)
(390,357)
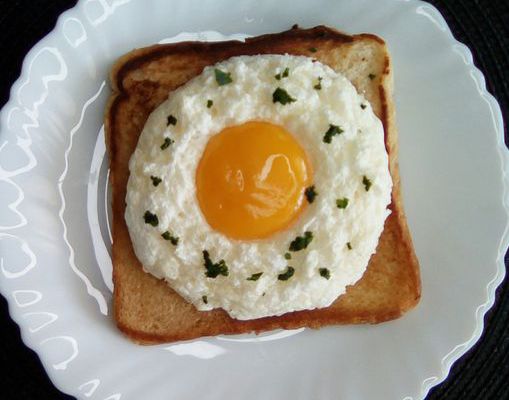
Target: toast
(146,309)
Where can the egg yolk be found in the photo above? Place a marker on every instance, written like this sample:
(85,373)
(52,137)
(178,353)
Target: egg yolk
(251,179)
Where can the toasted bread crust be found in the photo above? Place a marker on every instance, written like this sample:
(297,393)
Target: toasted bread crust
(146,309)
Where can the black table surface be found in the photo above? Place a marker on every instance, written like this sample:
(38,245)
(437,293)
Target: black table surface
(482,373)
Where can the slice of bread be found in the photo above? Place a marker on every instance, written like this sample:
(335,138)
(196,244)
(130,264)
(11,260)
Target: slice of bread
(146,309)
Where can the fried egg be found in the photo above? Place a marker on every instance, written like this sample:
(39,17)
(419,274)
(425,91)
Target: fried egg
(260,187)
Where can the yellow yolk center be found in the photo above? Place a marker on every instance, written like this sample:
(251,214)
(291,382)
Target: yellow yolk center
(251,179)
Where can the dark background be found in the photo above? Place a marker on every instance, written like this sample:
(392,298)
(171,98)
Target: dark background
(483,373)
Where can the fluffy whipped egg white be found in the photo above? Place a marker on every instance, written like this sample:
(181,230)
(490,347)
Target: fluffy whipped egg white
(261,187)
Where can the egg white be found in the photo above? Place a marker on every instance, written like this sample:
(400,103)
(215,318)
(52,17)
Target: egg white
(339,168)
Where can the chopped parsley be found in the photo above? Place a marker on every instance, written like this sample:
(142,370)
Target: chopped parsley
(150,218)
(205,300)
(349,245)
(282,96)
(155,180)
(210,103)
(318,86)
(363,106)
(301,242)
(255,277)
(288,256)
(312,49)
(167,142)
(286,275)
(310,194)
(222,78)
(168,236)
(283,74)
(366,182)
(171,120)
(324,273)
(342,203)
(371,76)
(332,131)
(214,269)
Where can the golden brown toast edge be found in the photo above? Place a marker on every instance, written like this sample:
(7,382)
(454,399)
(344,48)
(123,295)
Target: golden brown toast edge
(146,309)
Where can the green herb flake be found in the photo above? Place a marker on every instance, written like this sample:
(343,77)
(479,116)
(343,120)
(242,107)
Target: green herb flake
(342,203)
(171,120)
(310,194)
(167,142)
(371,76)
(210,103)
(318,86)
(174,240)
(301,242)
(282,96)
(331,132)
(283,74)
(155,180)
(324,273)
(363,106)
(288,256)
(222,78)
(150,218)
(312,49)
(205,300)
(349,245)
(366,182)
(214,269)
(287,274)
(255,277)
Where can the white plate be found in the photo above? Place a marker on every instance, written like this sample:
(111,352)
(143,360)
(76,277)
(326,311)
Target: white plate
(55,267)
